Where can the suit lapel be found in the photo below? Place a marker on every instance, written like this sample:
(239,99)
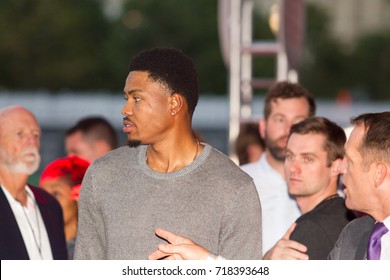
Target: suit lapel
(361,251)
(13,246)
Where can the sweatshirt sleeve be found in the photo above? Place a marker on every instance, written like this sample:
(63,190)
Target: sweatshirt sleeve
(241,234)
(90,239)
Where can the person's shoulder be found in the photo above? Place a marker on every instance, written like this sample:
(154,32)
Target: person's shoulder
(117,156)
(357,228)
(328,212)
(253,167)
(37,191)
(350,240)
(224,164)
(363,222)
(122,151)
(250,165)
(42,196)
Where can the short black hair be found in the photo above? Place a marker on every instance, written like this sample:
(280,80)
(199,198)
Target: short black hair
(173,69)
(95,128)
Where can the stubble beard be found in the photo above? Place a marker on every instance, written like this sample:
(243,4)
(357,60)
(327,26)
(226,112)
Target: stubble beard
(276,152)
(133,143)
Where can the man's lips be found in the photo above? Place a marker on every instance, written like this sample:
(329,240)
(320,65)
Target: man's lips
(295,180)
(127,126)
(283,141)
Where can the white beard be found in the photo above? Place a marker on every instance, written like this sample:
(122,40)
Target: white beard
(16,165)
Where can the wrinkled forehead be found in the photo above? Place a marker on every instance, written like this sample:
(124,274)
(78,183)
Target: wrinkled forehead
(16,117)
(306,143)
(297,106)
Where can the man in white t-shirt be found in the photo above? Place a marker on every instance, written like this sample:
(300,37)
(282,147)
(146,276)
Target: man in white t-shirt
(285,104)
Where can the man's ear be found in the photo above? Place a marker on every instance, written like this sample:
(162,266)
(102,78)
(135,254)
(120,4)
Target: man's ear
(176,103)
(262,125)
(335,167)
(380,171)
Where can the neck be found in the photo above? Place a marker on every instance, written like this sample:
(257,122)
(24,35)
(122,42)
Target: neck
(171,156)
(70,229)
(277,165)
(379,208)
(308,203)
(15,184)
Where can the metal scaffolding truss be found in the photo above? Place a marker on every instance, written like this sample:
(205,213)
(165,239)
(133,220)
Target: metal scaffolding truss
(239,47)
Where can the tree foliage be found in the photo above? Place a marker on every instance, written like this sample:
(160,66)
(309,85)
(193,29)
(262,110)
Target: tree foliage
(70,44)
(56,44)
(330,68)
(50,44)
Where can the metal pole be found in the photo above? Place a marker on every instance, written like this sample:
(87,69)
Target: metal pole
(234,77)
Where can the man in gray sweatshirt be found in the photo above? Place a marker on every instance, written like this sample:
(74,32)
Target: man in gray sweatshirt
(165,178)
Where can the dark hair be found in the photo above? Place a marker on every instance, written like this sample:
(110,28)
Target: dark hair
(376,141)
(334,135)
(173,69)
(96,128)
(286,90)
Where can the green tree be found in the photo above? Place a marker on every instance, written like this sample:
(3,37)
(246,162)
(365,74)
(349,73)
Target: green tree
(187,25)
(325,64)
(51,44)
(329,67)
(370,65)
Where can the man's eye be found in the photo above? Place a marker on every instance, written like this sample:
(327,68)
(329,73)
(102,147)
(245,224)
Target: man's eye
(289,156)
(56,194)
(308,159)
(279,119)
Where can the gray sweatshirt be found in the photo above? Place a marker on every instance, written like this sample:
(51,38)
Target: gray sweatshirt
(211,201)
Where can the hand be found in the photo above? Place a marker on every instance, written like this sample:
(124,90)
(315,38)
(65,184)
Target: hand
(180,248)
(286,249)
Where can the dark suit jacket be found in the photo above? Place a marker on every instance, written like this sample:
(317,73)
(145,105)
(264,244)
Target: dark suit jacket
(353,241)
(11,241)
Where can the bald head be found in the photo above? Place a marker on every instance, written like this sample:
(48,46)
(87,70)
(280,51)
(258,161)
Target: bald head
(20,137)
(11,113)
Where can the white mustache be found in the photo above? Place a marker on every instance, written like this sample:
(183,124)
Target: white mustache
(30,150)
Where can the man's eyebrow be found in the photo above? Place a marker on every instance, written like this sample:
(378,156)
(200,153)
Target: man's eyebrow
(133,91)
(309,154)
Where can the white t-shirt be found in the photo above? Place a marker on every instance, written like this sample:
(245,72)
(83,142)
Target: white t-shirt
(279,209)
(31,226)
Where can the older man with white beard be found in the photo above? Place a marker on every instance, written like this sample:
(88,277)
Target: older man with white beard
(31,220)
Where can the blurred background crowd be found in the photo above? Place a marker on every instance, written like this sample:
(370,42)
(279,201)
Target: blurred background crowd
(65,60)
